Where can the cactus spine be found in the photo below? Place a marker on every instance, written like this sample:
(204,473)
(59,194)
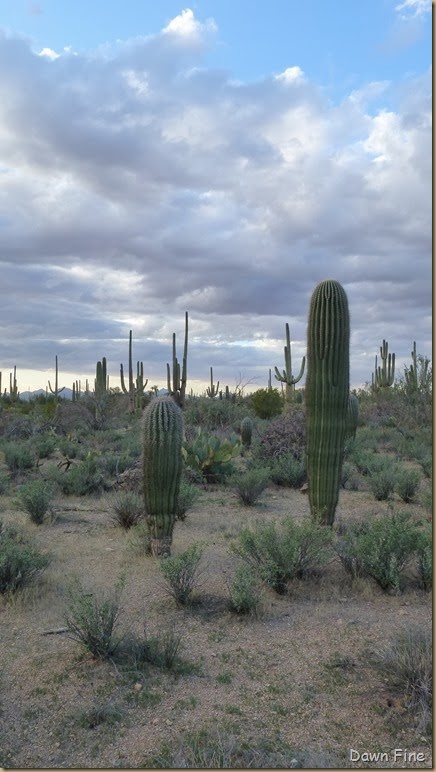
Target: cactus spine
(246,431)
(162,427)
(177,387)
(56,391)
(212,390)
(135,390)
(286,376)
(384,376)
(326,393)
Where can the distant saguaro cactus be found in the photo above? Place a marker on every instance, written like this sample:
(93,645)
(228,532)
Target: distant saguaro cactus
(212,390)
(135,390)
(327,390)
(286,376)
(383,376)
(56,391)
(177,384)
(162,431)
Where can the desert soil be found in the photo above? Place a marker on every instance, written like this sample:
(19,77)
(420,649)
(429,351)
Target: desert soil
(300,673)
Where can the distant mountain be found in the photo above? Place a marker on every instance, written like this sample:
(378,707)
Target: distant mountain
(66,394)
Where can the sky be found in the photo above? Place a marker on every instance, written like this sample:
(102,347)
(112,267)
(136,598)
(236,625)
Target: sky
(220,158)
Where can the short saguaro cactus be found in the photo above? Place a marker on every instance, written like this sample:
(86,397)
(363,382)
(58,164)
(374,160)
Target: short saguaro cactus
(162,431)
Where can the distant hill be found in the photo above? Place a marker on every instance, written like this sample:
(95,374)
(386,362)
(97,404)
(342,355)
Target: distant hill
(66,394)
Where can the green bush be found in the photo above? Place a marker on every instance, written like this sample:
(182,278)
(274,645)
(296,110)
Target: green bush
(245,591)
(408,659)
(211,455)
(380,548)
(18,456)
(383,475)
(181,573)
(250,484)
(284,435)
(44,445)
(425,557)
(283,552)
(288,471)
(36,498)
(20,561)
(267,403)
(407,484)
(85,477)
(4,482)
(127,508)
(188,496)
(92,618)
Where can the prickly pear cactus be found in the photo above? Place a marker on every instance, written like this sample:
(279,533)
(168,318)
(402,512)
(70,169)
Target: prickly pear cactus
(326,393)
(162,431)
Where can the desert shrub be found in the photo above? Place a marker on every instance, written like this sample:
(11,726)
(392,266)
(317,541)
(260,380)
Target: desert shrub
(127,508)
(250,484)
(408,660)
(426,462)
(116,463)
(425,557)
(211,455)
(267,403)
(288,471)
(383,474)
(213,414)
(380,548)
(36,498)
(245,591)
(286,434)
(181,573)
(407,484)
(346,546)
(20,561)
(188,496)
(4,482)
(161,649)
(85,477)
(363,460)
(68,448)
(18,456)
(283,552)
(44,445)
(92,618)
(139,540)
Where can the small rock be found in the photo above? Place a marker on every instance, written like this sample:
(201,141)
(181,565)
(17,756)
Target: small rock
(137,687)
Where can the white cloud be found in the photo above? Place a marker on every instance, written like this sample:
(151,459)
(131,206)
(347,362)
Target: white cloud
(291,75)
(414,7)
(137,184)
(49,53)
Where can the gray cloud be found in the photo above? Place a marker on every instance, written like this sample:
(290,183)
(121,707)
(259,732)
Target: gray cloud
(136,184)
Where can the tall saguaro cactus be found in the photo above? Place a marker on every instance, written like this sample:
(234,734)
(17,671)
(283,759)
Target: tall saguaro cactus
(286,376)
(384,376)
(326,393)
(177,385)
(56,391)
(136,389)
(162,427)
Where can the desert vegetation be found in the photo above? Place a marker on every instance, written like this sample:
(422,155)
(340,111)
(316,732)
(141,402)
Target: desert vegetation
(172,596)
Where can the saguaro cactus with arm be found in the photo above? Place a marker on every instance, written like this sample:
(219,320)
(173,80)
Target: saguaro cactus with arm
(135,390)
(286,376)
(162,427)
(326,393)
(56,391)
(177,385)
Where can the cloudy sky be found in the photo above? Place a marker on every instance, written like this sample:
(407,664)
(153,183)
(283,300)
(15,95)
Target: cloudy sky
(220,159)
